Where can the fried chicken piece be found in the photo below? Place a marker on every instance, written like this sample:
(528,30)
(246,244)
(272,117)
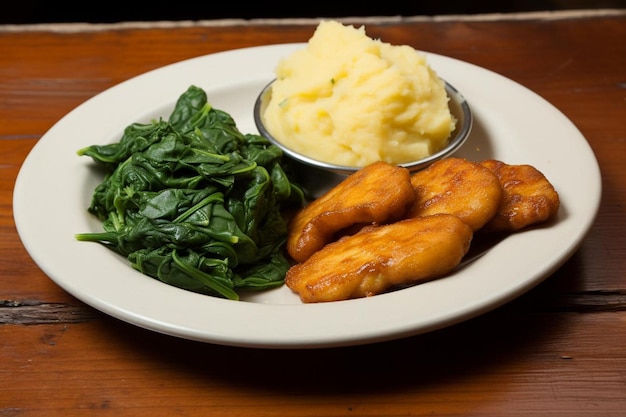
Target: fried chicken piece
(528,197)
(378,258)
(460,187)
(377,193)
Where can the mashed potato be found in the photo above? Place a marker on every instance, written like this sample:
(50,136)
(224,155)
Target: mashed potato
(352,100)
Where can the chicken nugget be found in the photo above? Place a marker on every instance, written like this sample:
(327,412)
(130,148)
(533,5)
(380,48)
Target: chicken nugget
(379,258)
(528,197)
(377,193)
(457,186)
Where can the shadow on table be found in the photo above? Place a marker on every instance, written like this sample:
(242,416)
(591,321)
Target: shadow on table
(497,339)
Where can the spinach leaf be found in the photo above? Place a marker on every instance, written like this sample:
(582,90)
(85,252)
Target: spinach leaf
(195,203)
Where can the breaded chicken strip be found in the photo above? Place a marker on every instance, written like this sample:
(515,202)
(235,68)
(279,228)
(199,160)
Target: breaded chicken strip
(460,187)
(378,193)
(381,257)
(528,197)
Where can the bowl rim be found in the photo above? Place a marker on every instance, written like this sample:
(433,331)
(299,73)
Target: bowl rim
(459,107)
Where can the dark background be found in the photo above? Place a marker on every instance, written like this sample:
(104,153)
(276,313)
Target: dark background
(42,11)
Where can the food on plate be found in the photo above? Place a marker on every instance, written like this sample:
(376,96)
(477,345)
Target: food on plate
(460,187)
(351,100)
(528,197)
(378,193)
(195,203)
(454,201)
(378,258)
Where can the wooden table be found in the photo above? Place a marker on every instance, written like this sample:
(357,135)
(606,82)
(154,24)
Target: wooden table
(559,350)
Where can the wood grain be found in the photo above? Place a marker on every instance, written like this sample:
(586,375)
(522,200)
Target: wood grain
(558,350)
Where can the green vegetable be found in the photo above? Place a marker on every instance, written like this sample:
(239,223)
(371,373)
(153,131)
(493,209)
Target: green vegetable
(195,203)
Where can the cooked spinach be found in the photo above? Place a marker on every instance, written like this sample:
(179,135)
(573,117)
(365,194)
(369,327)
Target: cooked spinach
(195,203)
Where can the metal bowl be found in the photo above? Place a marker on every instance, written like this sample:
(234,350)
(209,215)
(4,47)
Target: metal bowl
(459,108)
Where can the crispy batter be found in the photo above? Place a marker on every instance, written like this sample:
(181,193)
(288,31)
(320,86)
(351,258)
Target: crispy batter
(460,187)
(380,257)
(378,193)
(528,197)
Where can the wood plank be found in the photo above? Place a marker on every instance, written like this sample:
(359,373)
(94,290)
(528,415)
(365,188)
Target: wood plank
(533,364)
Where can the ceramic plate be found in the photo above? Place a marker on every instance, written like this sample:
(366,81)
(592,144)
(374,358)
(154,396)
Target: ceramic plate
(511,123)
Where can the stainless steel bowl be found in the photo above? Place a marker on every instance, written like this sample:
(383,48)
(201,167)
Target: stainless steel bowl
(459,108)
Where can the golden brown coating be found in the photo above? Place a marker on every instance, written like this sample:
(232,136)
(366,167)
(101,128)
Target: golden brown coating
(460,187)
(381,257)
(378,193)
(528,197)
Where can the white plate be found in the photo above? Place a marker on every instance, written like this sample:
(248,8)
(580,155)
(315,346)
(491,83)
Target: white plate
(513,124)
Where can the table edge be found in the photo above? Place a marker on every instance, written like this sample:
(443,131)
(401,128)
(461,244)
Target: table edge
(165,24)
